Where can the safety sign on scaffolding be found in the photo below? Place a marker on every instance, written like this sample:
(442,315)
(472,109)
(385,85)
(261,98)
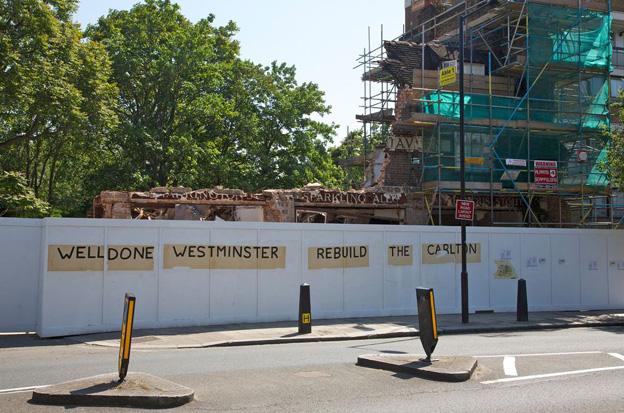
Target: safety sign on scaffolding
(546,174)
(448,73)
(464,210)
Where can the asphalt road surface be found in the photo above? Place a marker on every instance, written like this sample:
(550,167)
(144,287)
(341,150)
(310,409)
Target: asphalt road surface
(575,370)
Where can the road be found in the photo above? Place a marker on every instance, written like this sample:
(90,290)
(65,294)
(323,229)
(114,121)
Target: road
(575,370)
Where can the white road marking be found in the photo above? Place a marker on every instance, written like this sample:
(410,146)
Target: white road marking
(617,356)
(545,376)
(509,365)
(540,354)
(20,389)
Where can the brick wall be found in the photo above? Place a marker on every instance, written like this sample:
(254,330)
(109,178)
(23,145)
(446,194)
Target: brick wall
(399,170)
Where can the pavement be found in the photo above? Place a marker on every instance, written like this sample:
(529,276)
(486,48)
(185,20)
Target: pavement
(139,390)
(451,369)
(347,329)
(562,370)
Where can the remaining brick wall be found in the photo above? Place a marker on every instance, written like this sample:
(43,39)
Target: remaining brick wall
(399,170)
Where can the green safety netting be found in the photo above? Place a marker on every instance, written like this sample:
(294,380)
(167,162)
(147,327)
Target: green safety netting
(476,106)
(568,63)
(441,160)
(569,35)
(597,176)
(589,112)
(597,114)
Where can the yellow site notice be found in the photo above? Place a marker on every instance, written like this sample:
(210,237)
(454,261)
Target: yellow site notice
(448,75)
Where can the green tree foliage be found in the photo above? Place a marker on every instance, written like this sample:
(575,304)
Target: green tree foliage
(348,155)
(615,167)
(18,200)
(193,113)
(147,98)
(55,99)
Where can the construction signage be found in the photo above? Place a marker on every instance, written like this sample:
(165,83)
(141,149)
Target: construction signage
(224,257)
(91,257)
(448,74)
(400,255)
(450,253)
(338,257)
(464,210)
(546,174)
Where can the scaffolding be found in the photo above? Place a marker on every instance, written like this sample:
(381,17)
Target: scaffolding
(537,89)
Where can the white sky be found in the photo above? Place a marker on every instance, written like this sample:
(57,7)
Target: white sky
(322,38)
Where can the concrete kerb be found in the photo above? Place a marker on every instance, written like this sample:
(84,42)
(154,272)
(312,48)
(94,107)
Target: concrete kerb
(450,369)
(367,336)
(138,390)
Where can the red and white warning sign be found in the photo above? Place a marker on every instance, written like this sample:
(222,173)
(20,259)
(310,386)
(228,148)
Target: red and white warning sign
(546,173)
(464,210)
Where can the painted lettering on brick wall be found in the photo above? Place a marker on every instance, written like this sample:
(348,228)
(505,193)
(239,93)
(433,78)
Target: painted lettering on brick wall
(360,198)
(91,257)
(338,257)
(228,257)
(450,253)
(400,255)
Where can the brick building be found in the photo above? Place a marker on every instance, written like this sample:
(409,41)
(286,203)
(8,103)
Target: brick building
(539,76)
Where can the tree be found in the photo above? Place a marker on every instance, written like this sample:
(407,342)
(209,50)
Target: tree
(55,98)
(18,200)
(284,146)
(615,167)
(350,153)
(193,113)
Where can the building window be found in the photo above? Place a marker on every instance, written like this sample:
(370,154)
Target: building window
(616,86)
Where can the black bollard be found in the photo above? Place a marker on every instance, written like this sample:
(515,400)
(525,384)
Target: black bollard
(305,310)
(523,307)
(427,320)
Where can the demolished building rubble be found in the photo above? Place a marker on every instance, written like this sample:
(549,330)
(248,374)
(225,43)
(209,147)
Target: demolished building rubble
(313,204)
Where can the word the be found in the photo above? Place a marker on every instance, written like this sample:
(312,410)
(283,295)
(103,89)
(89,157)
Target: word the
(400,255)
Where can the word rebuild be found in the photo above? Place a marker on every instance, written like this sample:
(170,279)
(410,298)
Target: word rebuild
(338,257)
(224,257)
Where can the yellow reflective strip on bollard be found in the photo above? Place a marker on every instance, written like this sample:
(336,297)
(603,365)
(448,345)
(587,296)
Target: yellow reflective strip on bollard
(434,322)
(128,334)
